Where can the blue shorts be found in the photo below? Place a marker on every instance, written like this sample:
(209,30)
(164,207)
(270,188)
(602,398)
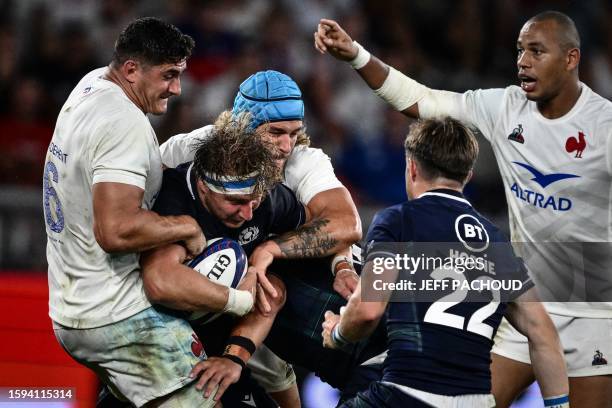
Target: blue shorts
(381,396)
(384,394)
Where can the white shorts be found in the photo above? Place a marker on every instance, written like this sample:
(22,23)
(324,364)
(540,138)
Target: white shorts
(270,371)
(586,342)
(447,401)
(144,357)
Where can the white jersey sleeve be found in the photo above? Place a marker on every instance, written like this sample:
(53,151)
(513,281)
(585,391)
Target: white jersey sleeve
(478,108)
(118,156)
(309,172)
(180,148)
(482,108)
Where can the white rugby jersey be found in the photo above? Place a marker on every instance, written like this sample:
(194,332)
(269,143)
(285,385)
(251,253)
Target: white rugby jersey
(558,184)
(100,136)
(308,171)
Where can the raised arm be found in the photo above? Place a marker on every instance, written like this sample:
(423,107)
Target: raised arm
(530,318)
(331,38)
(403,93)
(122,225)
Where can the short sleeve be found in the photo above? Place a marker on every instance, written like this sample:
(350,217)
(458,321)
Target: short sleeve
(288,212)
(482,108)
(385,227)
(309,172)
(122,154)
(181,148)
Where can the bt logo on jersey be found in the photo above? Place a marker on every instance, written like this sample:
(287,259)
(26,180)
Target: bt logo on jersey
(540,200)
(471,233)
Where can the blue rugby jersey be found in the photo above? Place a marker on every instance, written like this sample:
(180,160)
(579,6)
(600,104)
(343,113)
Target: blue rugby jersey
(279,212)
(428,349)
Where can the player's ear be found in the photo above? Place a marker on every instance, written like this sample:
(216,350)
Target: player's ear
(129,70)
(202,186)
(412,169)
(573,59)
(469,177)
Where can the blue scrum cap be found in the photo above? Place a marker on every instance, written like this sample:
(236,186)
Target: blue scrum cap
(269,96)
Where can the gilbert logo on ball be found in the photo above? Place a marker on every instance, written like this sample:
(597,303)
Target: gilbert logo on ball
(224,262)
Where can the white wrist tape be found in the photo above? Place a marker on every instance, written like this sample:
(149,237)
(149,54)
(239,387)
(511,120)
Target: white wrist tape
(239,302)
(362,57)
(400,91)
(337,259)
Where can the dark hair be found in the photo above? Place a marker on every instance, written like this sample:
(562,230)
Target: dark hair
(152,42)
(567,32)
(442,148)
(235,149)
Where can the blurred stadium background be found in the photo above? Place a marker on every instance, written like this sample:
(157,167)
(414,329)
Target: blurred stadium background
(46,46)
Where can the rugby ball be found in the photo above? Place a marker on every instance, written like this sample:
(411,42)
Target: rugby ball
(224,262)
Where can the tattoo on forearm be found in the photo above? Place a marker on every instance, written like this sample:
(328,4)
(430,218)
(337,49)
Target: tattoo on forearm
(309,241)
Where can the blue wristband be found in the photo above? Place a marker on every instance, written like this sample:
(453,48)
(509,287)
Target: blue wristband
(560,401)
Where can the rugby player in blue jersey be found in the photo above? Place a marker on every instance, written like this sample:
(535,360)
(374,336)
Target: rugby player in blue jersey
(233,149)
(232,189)
(275,102)
(439,352)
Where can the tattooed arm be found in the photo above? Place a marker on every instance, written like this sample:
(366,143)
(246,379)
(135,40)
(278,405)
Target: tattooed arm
(333,226)
(311,240)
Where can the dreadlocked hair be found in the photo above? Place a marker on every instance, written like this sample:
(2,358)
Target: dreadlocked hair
(234,149)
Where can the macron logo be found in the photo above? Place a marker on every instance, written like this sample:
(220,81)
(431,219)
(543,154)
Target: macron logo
(545,179)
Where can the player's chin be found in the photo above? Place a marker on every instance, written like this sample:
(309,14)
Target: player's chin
(533,91)
(535,96)
(234,223)
(161,107)
(280,163)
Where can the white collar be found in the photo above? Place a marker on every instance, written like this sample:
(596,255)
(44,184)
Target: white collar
(189,181)
(444,195)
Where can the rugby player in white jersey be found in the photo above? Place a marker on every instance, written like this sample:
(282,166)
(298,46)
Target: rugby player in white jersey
(275,103)
(551,137)
(103,171)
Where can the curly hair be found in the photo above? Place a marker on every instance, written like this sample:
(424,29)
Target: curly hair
(302,138)
(152,42)
(443,148)
(234,149)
